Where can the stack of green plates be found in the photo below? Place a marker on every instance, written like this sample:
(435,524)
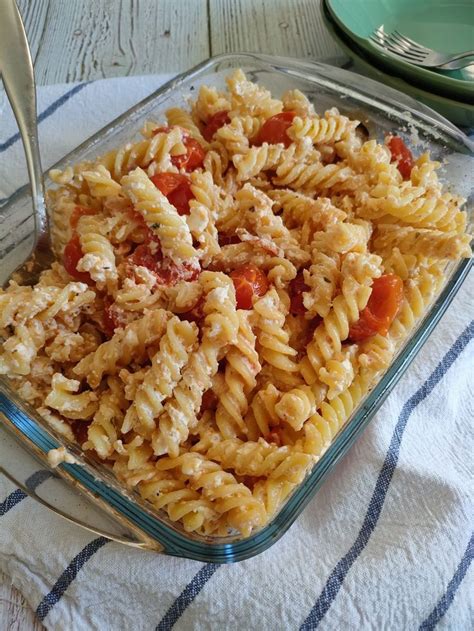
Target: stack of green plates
(447,26)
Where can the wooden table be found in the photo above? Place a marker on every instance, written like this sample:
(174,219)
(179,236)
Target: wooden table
(76,40)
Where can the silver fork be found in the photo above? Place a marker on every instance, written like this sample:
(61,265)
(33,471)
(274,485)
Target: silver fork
(416,53)
(16,70)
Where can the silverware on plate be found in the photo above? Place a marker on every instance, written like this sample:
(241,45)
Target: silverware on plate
(417,54)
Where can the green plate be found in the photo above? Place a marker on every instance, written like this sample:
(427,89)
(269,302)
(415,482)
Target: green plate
(458,112)
(446,26)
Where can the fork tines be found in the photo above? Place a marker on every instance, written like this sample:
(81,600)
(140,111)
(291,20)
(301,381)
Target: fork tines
(398,44)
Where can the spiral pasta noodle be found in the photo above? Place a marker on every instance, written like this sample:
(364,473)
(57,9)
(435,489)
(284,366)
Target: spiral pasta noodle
(20,349)
(298,209)
(272,338)
(232,500)
(296,406)
(269,228)
(98,255)
(180,502)
(296,101)
(358,271)
(127,343)
(162,217)
(210,102)
(322,279)
(239,380)
(18,304)
(235,136)
(330,129)
(181,118)
(67,346)
(103,432)
(422,241)
(258,459)
(220,327)
(250,98)
(162,376)
(337,374)
(66,398)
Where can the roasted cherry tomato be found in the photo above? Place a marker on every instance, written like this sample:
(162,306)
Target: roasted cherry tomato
(143,256)
(401,155)
(249,281)
(72,254)
(274,129)
(297,287)
(381,310)
(78,212)
(193,158)
(177,188)
(166,272)
(169,182)
(214,123)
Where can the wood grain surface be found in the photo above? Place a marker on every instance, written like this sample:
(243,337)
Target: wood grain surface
(79,40)
(291,28)
(15,614)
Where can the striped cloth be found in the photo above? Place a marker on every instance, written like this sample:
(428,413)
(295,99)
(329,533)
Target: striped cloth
(385,544)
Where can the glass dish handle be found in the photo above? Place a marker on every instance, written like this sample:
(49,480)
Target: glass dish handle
(74,520)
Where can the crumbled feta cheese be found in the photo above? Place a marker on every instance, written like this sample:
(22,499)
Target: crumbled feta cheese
(58,456)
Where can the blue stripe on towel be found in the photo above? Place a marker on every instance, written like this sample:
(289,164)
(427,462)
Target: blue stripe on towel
(18,495)
(12,500)
(337,576)
(447,598)
(68,576)
(55,105)
(186,597)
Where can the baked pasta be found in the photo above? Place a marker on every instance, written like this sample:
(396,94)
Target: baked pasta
(227,290)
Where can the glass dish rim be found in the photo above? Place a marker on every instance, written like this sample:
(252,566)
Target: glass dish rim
(235,550)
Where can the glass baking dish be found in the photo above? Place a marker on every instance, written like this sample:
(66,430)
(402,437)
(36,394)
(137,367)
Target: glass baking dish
(382,110)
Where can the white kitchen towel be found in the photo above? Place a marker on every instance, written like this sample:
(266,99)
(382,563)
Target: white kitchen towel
(385,544)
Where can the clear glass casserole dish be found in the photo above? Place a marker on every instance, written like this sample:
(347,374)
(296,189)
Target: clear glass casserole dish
(381,110)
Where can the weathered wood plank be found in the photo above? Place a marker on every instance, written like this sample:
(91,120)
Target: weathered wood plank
(15,614)
(77,41)
(293,28)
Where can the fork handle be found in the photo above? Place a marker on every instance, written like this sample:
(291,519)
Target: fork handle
(459,63)
(466,53)
(16,69)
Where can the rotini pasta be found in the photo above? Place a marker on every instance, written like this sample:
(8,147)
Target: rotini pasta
(422,241)
(272,338)
(66,398)
(228,289)
(161,216)
(104,430)
(98,258)
(220,329)
(330,129)
(162,377)
(239,380)
(126,345)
